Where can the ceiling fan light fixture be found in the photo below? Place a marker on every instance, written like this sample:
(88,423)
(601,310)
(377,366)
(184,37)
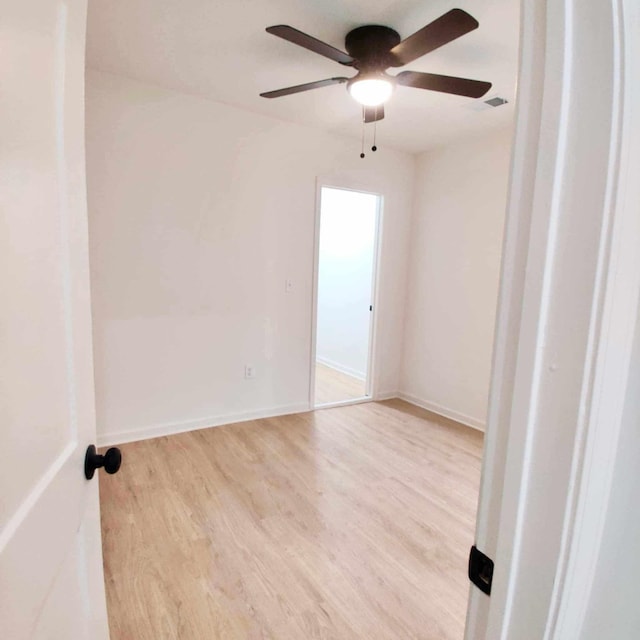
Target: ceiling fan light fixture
(371,91)
(371,49)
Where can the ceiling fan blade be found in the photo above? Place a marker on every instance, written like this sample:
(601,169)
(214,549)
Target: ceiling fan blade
(444,84)
(309,42)
(448,27)
(287,91)
(372,114)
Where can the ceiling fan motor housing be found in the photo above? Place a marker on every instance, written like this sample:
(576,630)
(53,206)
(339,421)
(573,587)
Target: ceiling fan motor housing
(371,46)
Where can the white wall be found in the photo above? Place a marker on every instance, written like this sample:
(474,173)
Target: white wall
(198,214)
(345,272)
(456,245)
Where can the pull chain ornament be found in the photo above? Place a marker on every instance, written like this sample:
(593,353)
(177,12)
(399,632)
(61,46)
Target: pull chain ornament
(375,128)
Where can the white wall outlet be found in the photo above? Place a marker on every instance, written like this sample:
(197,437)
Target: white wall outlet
(288,285)
(249,371)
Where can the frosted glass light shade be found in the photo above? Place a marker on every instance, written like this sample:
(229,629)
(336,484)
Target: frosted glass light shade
(371,92)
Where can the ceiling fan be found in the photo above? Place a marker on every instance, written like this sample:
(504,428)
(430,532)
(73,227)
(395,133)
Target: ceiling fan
(372,49)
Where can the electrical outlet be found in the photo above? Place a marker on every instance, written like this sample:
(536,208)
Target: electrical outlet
(249,371)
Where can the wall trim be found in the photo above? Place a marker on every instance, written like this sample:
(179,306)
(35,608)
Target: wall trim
(172,428)
(445,412)
(332,364)
(386,395)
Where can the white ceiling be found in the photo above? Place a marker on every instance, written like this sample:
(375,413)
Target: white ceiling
(219,49)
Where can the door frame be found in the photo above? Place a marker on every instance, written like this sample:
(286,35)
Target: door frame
(370,384)
(537,592)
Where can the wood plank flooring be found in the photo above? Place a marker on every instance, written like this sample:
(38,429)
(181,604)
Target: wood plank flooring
(335,386)
(341,524)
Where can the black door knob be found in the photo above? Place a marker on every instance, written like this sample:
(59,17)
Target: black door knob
(111,461)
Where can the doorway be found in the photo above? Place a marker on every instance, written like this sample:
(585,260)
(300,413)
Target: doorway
(347,241)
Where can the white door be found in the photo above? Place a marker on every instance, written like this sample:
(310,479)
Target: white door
(566,320)
(51,582)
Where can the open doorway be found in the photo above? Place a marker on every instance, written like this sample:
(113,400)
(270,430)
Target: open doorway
(347,241)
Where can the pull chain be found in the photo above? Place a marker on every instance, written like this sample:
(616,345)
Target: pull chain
(362,141)
(375,128)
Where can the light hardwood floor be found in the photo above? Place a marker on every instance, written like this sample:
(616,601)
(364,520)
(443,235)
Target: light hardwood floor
(341,524)
(335,386)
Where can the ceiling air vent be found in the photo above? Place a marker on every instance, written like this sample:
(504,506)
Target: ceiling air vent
(484,105)
(495,102)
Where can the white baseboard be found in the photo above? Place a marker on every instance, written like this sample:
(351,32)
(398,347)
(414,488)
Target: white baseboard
(443,411)
(145,433)
(360,375)
(386,395)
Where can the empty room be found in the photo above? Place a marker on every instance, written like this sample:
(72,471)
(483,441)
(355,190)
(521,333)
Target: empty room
(320,322)
(247,265)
